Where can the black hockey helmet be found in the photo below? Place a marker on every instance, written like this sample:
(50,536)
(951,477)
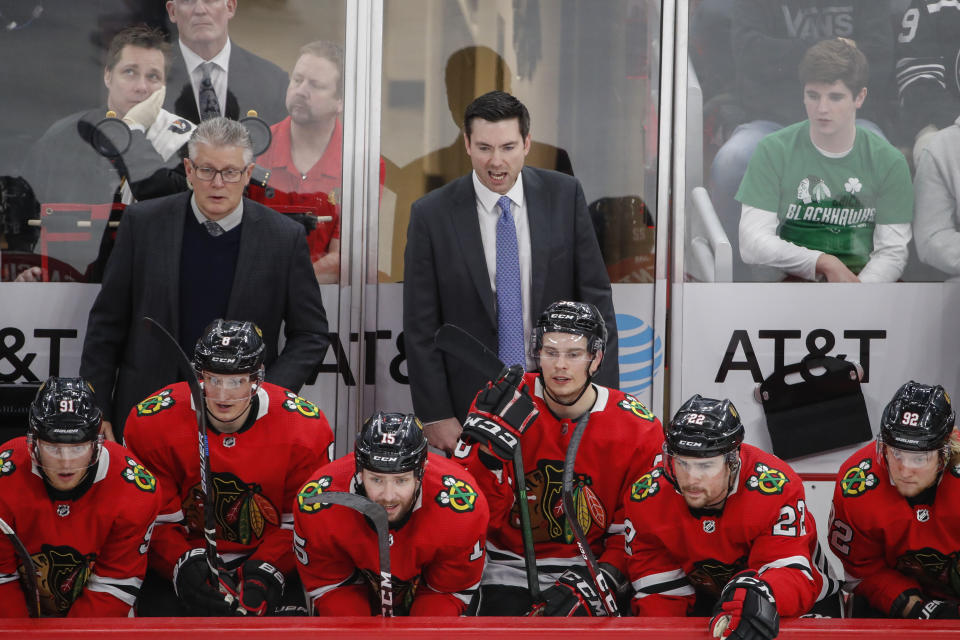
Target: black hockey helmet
(920,417)
(228,347)
(578,318)
(704,428)
(391,443)
(64,411)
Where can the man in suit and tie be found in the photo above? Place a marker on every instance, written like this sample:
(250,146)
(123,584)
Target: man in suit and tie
(189,258)
(210,76)
(489,252)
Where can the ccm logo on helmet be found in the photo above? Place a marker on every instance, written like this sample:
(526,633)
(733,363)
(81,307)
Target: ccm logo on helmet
(689,443)
(385,458)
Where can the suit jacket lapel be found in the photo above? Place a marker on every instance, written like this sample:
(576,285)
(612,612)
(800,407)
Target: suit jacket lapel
(173,228)
(466,226)
(247,258)
(180,99)
(538,216)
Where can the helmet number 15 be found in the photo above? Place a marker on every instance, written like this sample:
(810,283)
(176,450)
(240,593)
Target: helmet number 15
(388,438)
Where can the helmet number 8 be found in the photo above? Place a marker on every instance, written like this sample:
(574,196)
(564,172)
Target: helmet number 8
(66,406)
(225,341)
(388,438)
(910,418)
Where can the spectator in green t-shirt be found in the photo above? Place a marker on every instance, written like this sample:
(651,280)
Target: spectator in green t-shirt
(824,199)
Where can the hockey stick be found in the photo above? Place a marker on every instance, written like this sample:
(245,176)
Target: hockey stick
(31,591)
(378,516)
(209,518)
(467,349)
(609,600)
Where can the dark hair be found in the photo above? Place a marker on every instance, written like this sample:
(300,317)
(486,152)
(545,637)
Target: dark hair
(832,60)
(138,36)
(496,106)
(328,51)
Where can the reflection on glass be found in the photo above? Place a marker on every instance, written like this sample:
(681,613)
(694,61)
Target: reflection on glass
(589,93)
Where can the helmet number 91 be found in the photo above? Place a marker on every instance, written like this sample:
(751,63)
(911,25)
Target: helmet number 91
(910,418)
(66,405)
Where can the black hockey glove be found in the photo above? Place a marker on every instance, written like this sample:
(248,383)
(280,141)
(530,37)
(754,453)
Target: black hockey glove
(261,587)
(935,610)
(746,610)
(501,412)
(575,594)
(191,581)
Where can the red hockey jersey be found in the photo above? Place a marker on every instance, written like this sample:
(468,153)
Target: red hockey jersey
(887,546)
(621,440)
(677,559)
(90,553)
(255,473)
(436,556)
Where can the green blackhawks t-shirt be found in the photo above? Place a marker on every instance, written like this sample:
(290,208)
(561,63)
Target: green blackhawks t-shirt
(829,204)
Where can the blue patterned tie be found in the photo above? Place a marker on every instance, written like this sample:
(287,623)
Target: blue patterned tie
(209,104)
(509,301)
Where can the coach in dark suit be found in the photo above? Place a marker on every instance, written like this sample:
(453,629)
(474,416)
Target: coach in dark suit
(185,260)
(238,79)
(451,260)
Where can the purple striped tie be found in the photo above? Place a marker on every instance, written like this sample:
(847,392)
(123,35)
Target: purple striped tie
(509,300)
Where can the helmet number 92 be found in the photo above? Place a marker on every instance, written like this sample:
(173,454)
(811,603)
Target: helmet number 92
(388,438)
(910,418)
(66,406)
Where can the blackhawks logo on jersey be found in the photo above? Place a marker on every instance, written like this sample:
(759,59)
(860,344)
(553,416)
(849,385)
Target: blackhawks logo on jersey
(710,576)
(6,464)
(404,592)
(547,518)
(767,480)
(137,474)
(857,480)
(634,406)
(62,573)
(300,405)
(936,572)
(156,403)
(241,510)
(457,494)
(646,486)
(311,490)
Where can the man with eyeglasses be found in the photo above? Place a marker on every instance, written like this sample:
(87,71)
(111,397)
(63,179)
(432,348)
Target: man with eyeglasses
(83,508)
(210,75)
(895,523)
(264,441)
(621,439)
(721,527)
(189,258)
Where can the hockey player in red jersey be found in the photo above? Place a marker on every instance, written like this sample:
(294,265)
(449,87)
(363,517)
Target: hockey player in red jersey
(264,441)
(895,521)
(437,527)
(83,508)
(722,526)
(622,439)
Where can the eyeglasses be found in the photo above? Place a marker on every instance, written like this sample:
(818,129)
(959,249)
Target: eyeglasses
(226,383)
(207,174)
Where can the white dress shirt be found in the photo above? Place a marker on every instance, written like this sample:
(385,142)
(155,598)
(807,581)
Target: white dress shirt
(489,213)
(218,72)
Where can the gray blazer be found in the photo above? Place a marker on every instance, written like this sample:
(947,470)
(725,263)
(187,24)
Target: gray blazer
(252,83)
(273,285)
(446,280)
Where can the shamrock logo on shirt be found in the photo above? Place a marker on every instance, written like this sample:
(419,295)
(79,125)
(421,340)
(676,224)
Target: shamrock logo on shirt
(853,185)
